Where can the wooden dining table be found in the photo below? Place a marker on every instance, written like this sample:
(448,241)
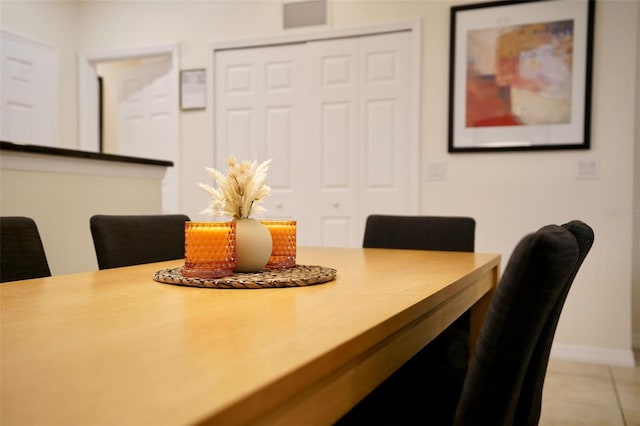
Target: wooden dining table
(116,347)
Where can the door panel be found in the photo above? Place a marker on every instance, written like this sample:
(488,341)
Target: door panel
(279,125)
(146,118)
(239,129)
(368,77)
(259,93)
(333,139)
(380,153)
(336,123)
(385,114)
(144,110)
(29,96)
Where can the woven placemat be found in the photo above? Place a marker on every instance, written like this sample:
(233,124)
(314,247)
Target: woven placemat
(298,276)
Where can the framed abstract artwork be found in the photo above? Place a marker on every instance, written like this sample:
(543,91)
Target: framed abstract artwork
(520,75)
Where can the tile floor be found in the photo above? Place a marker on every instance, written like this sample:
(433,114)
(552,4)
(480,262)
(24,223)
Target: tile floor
(577,393)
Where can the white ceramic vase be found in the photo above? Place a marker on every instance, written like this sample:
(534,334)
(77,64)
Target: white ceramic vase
(253,245)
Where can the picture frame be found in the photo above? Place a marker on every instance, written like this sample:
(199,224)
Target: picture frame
(520,75)
(193,94)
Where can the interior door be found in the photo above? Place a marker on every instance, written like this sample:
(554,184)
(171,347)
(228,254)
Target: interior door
(334,115)
(260,101)
(333,140)
(146,120)
(359,101)
(384,131)
(29,96)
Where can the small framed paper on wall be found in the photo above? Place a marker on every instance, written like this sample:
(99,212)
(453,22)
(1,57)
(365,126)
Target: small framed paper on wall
(192,89)
(520,75)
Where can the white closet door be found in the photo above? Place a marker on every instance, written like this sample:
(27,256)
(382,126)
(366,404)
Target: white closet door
(359,95)
(333,140)
(29,95)
(143,110)
(146,120)
(334,116)
(384,131)
(259,102)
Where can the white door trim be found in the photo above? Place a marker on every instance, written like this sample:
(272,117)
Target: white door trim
(88,87)
(411,25)
(414,26)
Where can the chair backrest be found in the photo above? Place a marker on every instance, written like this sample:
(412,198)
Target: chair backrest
(22,254)
(447,233)
(124,240)
(512,345)
(530,402)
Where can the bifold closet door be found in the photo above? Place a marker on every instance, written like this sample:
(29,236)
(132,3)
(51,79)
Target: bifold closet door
(260,112)
(359,104)
(334,116)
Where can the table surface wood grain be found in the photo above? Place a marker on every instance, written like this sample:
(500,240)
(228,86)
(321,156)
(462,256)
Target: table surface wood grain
(116,347)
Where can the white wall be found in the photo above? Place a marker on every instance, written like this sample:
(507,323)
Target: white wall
(61,194)
(509,194)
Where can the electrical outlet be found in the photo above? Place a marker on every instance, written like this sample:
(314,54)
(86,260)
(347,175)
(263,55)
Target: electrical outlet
(587,168)
(437,170)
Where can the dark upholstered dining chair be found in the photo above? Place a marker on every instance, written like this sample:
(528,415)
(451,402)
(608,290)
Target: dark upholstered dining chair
(22,254)
(448,354)
(503,385)
(447,233)
(124,240)
(530,401)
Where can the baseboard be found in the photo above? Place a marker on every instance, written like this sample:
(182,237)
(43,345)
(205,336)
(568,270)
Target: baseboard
(597,355)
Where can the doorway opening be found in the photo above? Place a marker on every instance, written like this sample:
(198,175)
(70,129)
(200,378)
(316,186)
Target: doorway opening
(157,141)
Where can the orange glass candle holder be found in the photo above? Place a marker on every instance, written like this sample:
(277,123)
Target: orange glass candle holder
(209,249)
(283,237)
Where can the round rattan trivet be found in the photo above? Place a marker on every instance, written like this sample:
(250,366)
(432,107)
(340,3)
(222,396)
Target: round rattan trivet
(298,276)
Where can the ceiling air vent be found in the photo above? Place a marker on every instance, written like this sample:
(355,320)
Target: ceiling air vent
(305,13)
